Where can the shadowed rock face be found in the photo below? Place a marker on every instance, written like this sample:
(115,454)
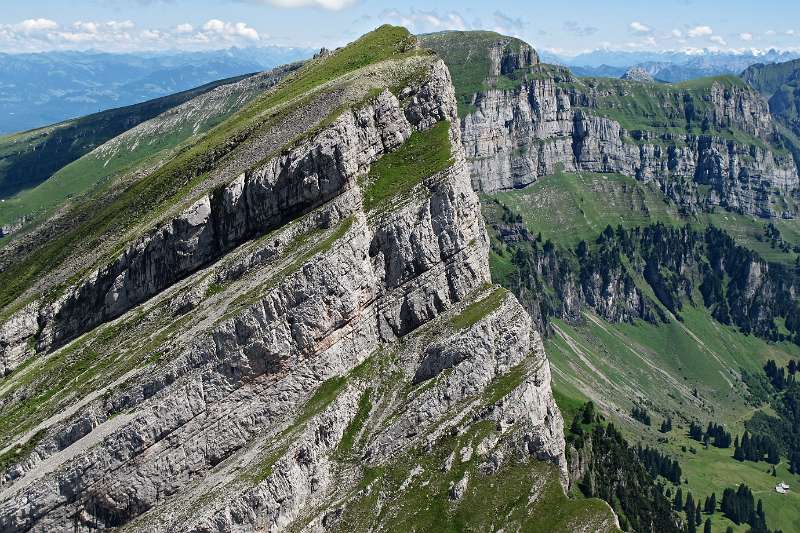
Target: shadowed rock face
(247,362)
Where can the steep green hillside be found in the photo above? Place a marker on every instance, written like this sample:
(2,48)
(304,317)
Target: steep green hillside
(29,158)
(678,363)
(146,145)
(620,366)
(769,78)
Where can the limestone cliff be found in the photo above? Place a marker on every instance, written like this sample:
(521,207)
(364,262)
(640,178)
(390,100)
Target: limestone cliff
(305,340)
(705,143)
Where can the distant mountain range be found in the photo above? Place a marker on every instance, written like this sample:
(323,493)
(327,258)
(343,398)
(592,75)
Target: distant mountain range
(665,66)
(46,88)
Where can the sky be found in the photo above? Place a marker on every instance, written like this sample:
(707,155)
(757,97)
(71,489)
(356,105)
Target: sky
(565,28)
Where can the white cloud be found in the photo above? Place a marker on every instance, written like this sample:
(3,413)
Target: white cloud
(790,32)
(152,35)
(638,27)
(700,31)
(231,30)
(86,27)
(333,5)
(677,33)
(745,36)
(33,25)
(37,35)
(719,40)
(770,33)
(214,25)
(121,25)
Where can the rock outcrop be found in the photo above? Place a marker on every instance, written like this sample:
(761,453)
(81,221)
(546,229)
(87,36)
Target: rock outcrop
(285,347)
(637,74)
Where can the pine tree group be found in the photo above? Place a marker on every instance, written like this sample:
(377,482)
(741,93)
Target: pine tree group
(754,448)
(641,414)
(714,434)
(658,464)
(778,375)
(740,507)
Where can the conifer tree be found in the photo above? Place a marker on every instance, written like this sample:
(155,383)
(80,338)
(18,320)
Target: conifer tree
(690,524)
(689,505)
(738,453)
(678,502)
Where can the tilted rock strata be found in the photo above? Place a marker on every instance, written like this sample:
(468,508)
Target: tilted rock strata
(311,173)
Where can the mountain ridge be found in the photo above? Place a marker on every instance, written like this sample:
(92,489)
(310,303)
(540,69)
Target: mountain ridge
(286,321)
(294,321)
(670,66)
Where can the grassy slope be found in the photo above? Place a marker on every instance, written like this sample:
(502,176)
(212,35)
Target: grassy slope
(613,363)
(617,365)
(169,184)
(490,500)
(29,158)
(571,207)
(467,57)
(424,153)
(90,171)
(568,208)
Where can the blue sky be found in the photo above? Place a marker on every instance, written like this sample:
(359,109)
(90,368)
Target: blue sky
(560,26)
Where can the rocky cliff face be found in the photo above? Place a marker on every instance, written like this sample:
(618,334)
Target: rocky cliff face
(705,143)
(648,273)
(295,342)
(550,282)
